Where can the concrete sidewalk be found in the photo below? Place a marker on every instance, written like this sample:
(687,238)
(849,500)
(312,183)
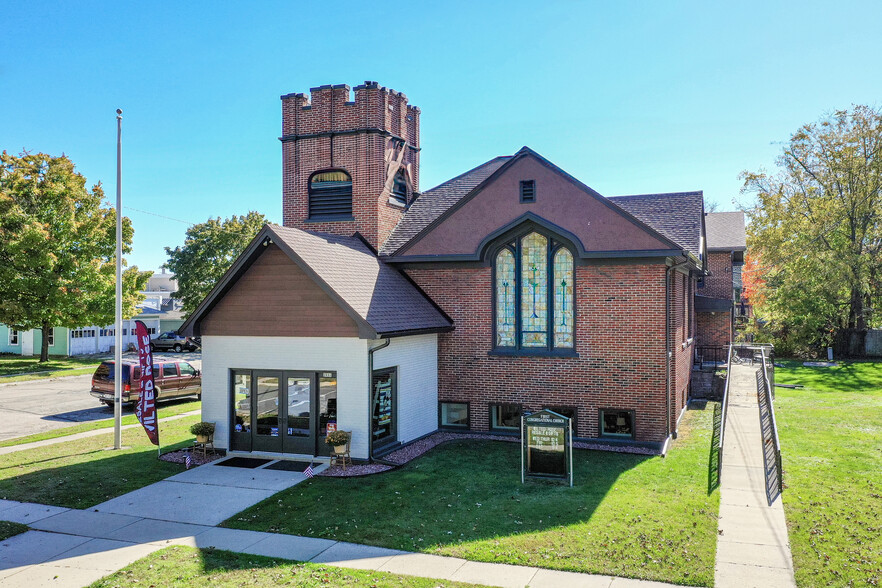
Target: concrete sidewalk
(70,547)
(753,550)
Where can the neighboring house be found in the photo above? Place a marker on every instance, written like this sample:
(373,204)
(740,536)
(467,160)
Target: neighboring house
(718,299)
(393,313)
(159,311)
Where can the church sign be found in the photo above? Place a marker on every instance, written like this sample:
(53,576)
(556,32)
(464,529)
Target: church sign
(546,446)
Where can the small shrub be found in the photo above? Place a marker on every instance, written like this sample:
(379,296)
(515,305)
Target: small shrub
(202,429)
(338,438)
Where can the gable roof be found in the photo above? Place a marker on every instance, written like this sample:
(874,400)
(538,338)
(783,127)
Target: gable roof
(676,215)
(433,203)
(380,299)
(725,231)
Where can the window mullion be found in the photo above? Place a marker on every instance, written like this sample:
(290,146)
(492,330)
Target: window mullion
(518,283)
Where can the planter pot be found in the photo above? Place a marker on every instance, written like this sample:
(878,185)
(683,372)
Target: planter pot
(201,438)
(339,449)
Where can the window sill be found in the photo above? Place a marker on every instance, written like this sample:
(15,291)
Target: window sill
(688,342)
(533,353)
(397,203)
(330,219)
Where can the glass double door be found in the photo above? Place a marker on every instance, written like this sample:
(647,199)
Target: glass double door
(283,411)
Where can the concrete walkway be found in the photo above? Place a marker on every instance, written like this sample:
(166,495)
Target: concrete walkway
(753,549)
(84,434)
(69,547)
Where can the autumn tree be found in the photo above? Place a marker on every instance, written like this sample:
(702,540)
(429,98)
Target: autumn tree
(815,230)
(208,251)
(58,248)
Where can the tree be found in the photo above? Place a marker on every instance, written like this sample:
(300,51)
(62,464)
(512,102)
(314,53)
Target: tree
(816,228)
(58,248)
(209,250)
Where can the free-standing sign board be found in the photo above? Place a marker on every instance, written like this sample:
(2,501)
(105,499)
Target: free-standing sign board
(546,446)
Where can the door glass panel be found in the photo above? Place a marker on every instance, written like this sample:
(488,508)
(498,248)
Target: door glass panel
(383,417)
(242,402)
(327,405)
(299,393)
(268,406)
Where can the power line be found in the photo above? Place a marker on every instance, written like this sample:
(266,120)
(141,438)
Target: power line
(177,220)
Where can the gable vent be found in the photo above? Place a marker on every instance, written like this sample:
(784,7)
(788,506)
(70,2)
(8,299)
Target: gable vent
(528,191)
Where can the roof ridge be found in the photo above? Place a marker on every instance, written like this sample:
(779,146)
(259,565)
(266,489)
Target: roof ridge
(467,172)
(659,194)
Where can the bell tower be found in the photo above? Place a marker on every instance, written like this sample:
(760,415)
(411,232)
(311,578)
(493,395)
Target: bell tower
(349,166)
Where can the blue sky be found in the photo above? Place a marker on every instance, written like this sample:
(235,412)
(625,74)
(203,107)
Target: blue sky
(630,97)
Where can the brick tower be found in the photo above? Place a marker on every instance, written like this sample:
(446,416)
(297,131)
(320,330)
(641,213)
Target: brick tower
(333,147)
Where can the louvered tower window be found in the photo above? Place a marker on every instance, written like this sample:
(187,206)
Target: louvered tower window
(330,195)
(399,188)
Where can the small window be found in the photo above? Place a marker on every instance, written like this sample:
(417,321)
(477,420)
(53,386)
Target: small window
(330,195)
(151,330)
(399,188)
(455,415)
(169,370)
(528,191)
(617,423)
(505,417)
(13,337)
(51,337)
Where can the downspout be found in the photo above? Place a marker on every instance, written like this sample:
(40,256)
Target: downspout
(371,351)
(669,352)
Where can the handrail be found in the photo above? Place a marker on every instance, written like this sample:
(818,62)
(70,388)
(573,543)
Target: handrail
(768,384)
(725,409)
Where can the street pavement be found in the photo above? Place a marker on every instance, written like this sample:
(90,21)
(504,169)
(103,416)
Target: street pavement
(37,406)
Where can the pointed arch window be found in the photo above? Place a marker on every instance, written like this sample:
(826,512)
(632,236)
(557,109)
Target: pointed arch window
(399,188)
(534,282)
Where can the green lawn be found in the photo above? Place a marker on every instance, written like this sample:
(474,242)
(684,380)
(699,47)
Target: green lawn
(9,529)
(628,515)
(166,409)
(831,443)
(15,368)
(83,472)
(187,567)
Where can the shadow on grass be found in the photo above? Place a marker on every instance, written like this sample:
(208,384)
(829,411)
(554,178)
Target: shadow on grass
(713,460)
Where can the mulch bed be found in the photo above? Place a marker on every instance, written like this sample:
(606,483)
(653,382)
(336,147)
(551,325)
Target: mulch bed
(410,452)
(196,458)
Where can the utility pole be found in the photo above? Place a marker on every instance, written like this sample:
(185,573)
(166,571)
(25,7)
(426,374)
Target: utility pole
(118,368)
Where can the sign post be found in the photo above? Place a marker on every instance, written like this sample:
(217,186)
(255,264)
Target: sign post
(546,446)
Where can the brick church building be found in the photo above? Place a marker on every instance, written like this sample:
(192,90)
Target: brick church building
(393,312)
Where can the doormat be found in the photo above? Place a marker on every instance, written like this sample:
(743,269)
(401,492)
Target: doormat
(286,465)
(243,462)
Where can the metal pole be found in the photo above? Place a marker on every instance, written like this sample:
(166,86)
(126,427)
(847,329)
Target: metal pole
(117,379)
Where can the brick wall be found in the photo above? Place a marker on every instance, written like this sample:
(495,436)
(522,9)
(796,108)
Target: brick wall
(370,127)
(683,327)
(620,339)
(719,284)
(714,329)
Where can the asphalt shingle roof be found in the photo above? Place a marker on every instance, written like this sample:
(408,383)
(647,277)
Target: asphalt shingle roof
(433,203)
(725,231)
(377,292)
(676,215)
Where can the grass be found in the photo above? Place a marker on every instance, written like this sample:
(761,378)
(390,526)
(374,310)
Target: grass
(83,472)
(165,410)
(831,444)
(15,368)
(628,515)
(9,529)
(189,567)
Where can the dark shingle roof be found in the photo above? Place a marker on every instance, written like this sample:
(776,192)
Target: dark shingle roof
(377,292)
(433,203)
(676,215)
(725,231)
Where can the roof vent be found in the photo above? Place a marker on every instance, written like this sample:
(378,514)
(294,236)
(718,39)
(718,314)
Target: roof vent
(528,191)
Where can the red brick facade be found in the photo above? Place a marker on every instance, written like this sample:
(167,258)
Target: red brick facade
(719,283)
(714,329)
(364,138)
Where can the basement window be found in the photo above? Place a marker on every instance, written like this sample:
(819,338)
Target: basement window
(454,415)
(528,191)
(505,417)
(617,423)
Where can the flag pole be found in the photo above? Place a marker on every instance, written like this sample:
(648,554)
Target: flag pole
(117,380)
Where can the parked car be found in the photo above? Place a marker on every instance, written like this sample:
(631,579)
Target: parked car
(171,341)
(172,379)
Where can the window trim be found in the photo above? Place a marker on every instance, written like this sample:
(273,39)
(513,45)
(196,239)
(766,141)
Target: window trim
(601,434)
(14,337)
(51,337)
(509,431)
(329,217)
(467,426)
(512,243)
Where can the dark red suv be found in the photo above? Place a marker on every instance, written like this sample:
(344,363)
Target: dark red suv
(172,378)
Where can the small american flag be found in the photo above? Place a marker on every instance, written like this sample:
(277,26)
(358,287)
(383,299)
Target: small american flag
(188,461)
(308,471)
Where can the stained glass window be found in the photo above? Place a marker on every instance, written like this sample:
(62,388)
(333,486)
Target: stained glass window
(563,298)
(534,291)
(505,299)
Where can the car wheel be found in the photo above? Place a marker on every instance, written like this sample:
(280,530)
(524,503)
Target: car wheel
(109,403)
(178,348)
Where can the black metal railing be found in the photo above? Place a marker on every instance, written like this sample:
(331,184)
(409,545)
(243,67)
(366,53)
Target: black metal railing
(725,404)
(771,444)
(710,356)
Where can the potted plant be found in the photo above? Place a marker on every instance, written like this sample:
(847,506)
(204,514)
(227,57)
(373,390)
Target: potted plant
(338,439)
(203,431)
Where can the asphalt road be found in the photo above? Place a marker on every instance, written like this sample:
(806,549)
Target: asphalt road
(42,405)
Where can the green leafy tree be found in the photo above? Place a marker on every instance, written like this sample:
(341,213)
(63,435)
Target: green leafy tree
(816,226)
(58,248)
(209,250)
